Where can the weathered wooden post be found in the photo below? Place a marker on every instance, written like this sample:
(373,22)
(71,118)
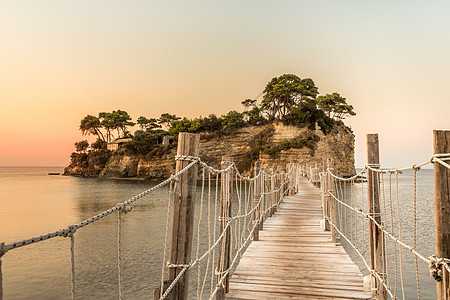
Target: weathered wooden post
(282,186)
(1,275)
(256,200)
(325,196)
(332,203)
(290,172)
(316,175)
(262,206)
(273,196)
(224,256)
(183,213)
(441,144)
(376,238)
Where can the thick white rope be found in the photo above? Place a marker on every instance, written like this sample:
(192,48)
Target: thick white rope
(209,235)
(399,232)
(224,273)
(392,232)
(71,234)
(123,210)
(198,232)
(166,237)
(415,229)
(101,215)
(370,217)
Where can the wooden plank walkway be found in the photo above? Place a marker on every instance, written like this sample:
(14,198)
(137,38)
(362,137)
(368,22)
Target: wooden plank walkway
(295,259)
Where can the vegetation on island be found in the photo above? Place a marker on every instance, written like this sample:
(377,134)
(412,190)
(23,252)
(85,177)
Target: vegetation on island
(287,99)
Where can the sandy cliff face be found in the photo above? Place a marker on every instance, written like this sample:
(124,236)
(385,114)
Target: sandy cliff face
(338,145)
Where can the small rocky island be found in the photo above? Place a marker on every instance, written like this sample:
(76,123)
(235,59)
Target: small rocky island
(293,123)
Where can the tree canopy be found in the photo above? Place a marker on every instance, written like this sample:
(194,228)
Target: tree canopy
(81,146)
(335,106)
(287,98)
(283,93)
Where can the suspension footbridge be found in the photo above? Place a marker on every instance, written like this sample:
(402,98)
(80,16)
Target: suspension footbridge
(276,235)
(295,258)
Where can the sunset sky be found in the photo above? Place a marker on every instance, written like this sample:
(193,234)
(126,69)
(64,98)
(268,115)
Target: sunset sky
(61,60)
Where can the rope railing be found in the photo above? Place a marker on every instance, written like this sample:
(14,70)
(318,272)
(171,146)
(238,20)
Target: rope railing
(231,209)
(238,228)
(351,218)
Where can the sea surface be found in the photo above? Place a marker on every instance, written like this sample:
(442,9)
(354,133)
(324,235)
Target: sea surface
(34,203)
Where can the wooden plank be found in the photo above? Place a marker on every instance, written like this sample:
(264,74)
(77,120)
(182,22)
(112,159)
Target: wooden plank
(294,258)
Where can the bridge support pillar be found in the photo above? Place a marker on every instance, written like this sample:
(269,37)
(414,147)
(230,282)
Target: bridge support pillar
(256,201)
(441,144)
(376,236)
(224,256)
(325,197)
(332,203)
(183,213)
(273,197)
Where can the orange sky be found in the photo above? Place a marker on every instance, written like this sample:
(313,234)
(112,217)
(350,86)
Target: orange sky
(63,60)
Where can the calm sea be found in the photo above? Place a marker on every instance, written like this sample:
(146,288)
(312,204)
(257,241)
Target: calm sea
(34,203)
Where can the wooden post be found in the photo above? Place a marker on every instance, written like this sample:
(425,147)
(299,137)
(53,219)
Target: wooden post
(325,198)
(1,278)
(441,144)
(290,171)
(183,213)
(273,196)
(316,175)
(256,196)
(262,207)
(277,194)
(225,214)
(332,203)
(376,239)
(282,187)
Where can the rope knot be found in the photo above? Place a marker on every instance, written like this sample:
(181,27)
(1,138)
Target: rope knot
(3,249)
(174,178)
(186,158)
(372,166)
(123,208)
(416,168)
(69,231)
(435,265)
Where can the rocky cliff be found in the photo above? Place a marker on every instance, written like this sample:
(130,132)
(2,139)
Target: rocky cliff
(245,146)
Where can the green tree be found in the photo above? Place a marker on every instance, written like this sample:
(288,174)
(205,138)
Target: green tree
(81,146)
(107,122)
(117,120)
(122,120)
(254,116)
(166,120)
(232,121)
(308,116)
(99,144)
(148,124)
(178,126)
(142,122)
(91,125)
(143,142)
(249,103)
(335,106)
(287,91)
(212,123)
